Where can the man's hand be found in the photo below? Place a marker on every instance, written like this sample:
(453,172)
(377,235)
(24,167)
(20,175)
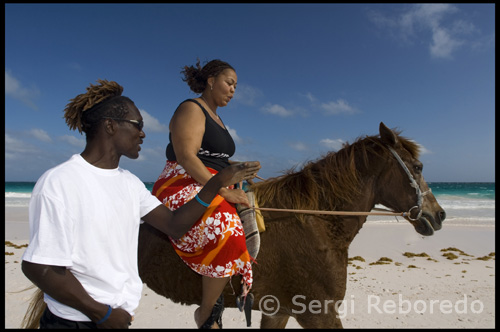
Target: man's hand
(119,319)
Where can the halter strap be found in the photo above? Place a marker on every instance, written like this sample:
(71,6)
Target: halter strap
(414,184)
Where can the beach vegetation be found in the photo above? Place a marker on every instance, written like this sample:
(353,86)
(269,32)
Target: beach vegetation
(450,255)
(13,245)
(410,254)
(357,258)
(379,263)
(484,258)
(457,250)
(382,261)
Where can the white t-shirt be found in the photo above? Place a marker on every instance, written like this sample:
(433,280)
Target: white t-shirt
(87,219)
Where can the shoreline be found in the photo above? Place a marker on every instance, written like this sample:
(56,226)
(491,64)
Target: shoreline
(423,292)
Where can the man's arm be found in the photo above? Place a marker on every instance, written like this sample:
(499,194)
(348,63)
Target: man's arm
(60,284)
(179,222)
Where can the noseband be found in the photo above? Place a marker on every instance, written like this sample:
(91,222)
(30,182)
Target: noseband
(414,184)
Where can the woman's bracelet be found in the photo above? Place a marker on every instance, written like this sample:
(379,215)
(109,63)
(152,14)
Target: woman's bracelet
(201,202)
(105,318)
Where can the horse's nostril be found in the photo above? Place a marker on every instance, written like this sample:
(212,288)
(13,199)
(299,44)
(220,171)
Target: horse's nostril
(442,215)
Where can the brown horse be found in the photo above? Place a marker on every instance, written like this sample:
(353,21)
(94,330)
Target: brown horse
(304,254)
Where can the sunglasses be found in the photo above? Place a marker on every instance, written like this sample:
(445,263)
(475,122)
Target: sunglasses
(138,124)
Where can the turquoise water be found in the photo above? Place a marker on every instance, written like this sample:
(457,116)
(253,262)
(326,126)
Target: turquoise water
(473,190)
(477,190)
(471,203)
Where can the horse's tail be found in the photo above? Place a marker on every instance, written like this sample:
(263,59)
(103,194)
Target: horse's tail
(35,310)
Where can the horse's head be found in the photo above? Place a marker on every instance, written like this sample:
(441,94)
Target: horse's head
(404,187)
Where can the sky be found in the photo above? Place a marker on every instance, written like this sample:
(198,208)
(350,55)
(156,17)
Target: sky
(310,78)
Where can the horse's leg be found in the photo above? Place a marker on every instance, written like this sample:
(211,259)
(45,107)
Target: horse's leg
(328,320)
(276,321)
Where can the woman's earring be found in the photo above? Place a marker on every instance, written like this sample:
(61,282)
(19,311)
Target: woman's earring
(211,87)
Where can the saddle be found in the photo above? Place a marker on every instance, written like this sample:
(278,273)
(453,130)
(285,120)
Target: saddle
(253,224)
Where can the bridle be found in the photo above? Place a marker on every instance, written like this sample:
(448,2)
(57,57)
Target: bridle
(414,184)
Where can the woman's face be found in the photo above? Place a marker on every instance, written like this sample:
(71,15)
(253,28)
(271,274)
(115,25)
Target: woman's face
(224,86)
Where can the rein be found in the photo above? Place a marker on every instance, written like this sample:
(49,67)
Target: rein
(413,183)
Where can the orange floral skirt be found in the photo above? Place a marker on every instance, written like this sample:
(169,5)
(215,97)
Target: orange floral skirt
(215,245)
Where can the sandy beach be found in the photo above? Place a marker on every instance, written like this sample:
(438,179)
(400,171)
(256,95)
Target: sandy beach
(396,279)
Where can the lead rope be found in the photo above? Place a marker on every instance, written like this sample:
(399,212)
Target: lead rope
(413,183)
(385,213)
(339,213)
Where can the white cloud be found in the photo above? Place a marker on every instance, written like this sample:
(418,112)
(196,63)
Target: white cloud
(311,98)
(299,146)
(75,66)
(337,107)
(234,135)
(330,108)
(443,44)
(16,90)
(277,110)
(153,124)
(446,36)
(72,140)
(247,95)
(41,135)
(15,148)
(332,144)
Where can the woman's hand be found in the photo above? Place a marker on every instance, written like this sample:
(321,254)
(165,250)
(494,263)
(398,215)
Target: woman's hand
(235,196)
(238,172)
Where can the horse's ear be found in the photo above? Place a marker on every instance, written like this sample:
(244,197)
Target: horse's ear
(387,135)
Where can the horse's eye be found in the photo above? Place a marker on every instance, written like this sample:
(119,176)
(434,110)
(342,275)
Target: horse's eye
(418,168)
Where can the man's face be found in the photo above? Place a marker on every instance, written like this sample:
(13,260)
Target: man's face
(130,135)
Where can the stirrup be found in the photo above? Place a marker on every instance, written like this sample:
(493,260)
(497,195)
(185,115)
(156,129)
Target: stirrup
(244,302)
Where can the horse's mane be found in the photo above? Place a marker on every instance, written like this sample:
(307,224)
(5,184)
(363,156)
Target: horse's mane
(331,181)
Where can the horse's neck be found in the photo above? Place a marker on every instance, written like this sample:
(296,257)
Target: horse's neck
(344,229)
(364,202)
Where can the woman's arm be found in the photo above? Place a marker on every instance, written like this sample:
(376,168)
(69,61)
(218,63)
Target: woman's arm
(187,128)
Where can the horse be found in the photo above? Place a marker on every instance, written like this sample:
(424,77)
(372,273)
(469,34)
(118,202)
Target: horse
(307,254)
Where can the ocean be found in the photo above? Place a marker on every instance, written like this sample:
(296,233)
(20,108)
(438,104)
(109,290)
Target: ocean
(465,203)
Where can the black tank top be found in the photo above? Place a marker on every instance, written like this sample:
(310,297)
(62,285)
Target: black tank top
(217,145)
